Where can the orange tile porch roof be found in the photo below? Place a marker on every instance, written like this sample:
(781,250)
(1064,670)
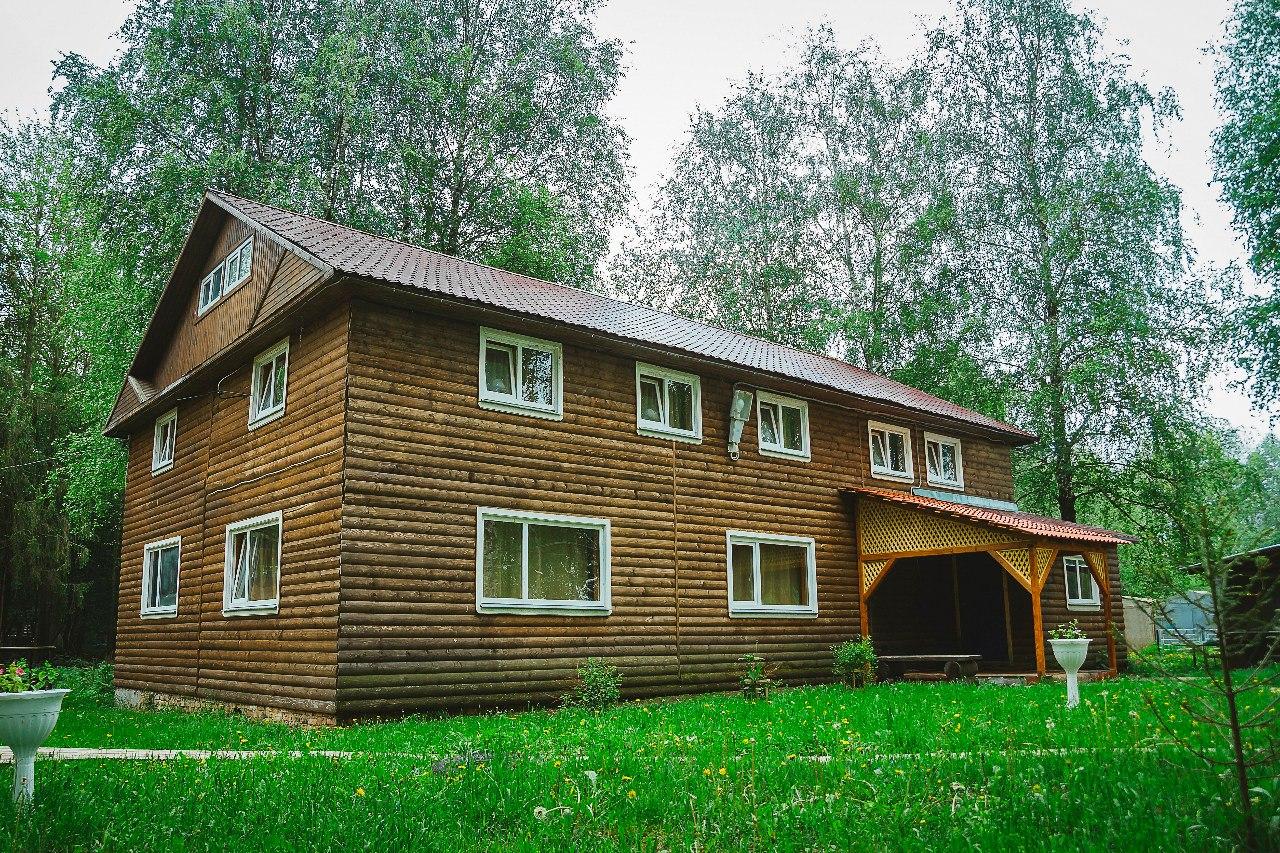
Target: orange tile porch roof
(1025,523)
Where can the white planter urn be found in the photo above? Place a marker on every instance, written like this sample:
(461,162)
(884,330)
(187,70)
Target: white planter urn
(1070,655)
(25,721)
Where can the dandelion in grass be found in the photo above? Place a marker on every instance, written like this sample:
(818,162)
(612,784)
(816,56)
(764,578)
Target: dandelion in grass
(359,792)
(724,771)
(631,795)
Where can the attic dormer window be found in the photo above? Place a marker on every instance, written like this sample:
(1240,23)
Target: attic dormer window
(224,278)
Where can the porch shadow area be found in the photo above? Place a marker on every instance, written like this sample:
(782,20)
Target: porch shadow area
(955,604)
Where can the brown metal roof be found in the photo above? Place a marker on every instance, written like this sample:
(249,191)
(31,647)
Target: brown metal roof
(354,252)
(1026,523)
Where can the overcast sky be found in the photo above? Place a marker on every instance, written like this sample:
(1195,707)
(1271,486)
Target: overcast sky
(684,53)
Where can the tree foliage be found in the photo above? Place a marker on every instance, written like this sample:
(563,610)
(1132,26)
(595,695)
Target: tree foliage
(1246,154)
(474,127)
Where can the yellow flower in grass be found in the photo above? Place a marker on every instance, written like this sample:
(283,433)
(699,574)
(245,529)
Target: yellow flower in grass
(631,795)
(724,771)
(706,772)
(359,792)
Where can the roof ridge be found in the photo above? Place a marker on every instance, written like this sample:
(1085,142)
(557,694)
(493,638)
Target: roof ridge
(843,364)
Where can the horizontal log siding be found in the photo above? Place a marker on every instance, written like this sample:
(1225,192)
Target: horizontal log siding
(421,456)
(223,473)
(277,275)
(1054,612)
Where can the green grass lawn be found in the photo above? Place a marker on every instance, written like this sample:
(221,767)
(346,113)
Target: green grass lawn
(915,766)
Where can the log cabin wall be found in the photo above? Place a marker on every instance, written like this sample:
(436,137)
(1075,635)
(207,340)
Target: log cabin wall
(1055,611)
(224,472)
(422,456)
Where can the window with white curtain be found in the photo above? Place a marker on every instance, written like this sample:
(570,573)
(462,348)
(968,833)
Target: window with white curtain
(890,448)
(163,440)
(532,561)
(222,279)
(1081,589)
(771,575)
(783,425)
(160,577)
(520,374)
(943,462)
(269,384)
(668,403)
(251,583)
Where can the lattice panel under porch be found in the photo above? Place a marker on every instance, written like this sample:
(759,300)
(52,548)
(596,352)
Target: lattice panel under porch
(1045,558)
(887,529)
(872,569)
(1019,559)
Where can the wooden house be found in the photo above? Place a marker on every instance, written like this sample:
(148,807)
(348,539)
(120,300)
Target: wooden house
(365,478)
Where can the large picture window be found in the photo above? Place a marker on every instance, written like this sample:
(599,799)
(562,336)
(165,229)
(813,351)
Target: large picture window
(539,562)
(224,278)
(783,425)
(252,579)
(270,382)
(520,375)
(943,462)
(160,577)
(890,451)
(771,575)
(668,403)
(163,440)
(1081,589)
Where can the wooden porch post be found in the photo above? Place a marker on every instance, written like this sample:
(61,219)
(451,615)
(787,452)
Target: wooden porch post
(1037,619)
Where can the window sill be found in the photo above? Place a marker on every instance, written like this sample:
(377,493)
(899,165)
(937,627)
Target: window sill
(777,453)
(773,613)
(543,609)
(889,475)
(1084,607)
(159,614)
(517,409)
(263,420)
(670,435)
(160,470)
(270,609)
(943,484)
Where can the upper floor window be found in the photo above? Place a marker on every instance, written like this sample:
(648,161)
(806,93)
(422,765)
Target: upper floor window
(160,577)
(270,381)
(944,464)
(251,583)
(1081,589)
(529,561)
(163,440)
(890,451)
(224,278)
(521,375)
(668,403)
(784,425)
(771,575)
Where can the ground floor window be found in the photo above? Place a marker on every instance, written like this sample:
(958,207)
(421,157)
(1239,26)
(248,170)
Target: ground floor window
(1081,590)
(771,575)
(160,577)
(252,580)
(528,561)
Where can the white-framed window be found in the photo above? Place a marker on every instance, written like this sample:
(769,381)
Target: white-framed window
(890,451)
(944,462)
(163,439)
(270,381)
(224,278)
(541,563)
(668,403)
(771,575)
(783,425)
(1082,591)
(251,582)
(521,375)
(160,577)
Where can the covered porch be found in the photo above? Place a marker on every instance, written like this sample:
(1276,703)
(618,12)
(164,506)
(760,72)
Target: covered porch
(944,577)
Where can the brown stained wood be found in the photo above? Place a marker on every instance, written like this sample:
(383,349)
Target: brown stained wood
(379,464)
